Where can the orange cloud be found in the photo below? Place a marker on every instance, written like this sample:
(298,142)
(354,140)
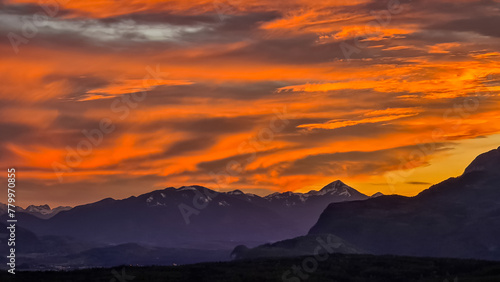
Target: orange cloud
(129,86)
(443,48)
(373,117)
(227,79)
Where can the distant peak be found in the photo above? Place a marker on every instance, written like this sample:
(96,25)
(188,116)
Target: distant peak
(272,195)
(235,192)
(192,188)
(33,207)
(334,185)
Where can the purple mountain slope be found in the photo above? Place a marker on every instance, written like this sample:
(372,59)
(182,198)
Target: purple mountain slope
(194,216)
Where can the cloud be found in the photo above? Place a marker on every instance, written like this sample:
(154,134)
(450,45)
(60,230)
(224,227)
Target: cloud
(372,117)
(484,25)
(232,69)
(14,132)
(418,183)
(129,87)
(354,163)
(214,125)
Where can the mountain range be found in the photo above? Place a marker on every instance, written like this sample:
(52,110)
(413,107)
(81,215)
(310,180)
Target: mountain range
(192,216)
(42,211)
(459,217)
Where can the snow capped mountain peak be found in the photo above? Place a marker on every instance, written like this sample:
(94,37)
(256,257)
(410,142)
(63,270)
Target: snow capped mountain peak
(378,194)
(336,187)
(335,191)
(43,209)
(188,188)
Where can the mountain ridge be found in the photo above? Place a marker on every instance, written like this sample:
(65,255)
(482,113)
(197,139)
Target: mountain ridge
(214,219)
(40,211)
(459,217)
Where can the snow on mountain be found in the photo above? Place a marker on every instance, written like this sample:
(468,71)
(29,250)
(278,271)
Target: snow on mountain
(188,216)
(223,203)
(337,190)
(302,209)
(188,188)
(41,211)
(245,196)
(192,215)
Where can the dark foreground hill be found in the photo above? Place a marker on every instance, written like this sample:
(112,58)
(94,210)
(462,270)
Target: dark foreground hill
(309,245)
(459,217)
(336,267)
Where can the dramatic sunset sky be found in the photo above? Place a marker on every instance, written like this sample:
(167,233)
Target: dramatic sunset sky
(258,95)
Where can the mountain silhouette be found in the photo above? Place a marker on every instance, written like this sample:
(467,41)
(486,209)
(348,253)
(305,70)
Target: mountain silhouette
(459,217)
(193,216)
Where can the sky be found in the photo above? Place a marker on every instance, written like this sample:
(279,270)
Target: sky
(118,98)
